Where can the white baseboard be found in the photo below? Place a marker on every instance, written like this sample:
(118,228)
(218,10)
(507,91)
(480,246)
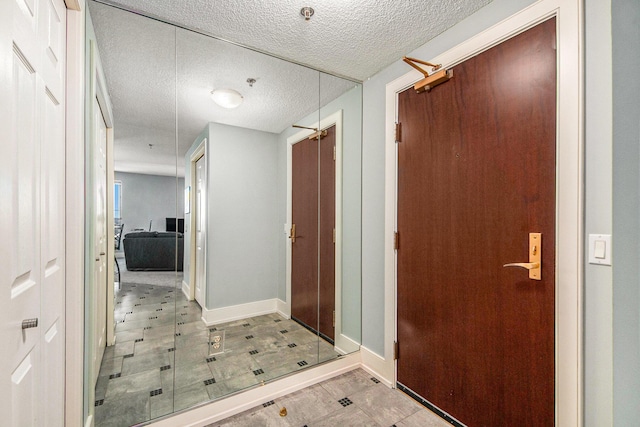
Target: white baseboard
(345,345)
(376,365)
(232,405)
(240,311)
(282,309)
(185,290)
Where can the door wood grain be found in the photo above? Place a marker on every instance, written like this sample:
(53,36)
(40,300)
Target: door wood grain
(476,175)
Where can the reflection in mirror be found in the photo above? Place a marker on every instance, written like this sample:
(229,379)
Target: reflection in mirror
(265,279)
(132,356)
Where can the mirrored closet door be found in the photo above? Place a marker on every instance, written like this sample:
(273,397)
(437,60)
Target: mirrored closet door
(235,204)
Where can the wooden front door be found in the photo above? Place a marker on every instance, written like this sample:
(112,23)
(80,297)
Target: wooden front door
(476,175)
(313,213)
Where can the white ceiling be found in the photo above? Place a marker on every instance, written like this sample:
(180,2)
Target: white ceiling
(160,78)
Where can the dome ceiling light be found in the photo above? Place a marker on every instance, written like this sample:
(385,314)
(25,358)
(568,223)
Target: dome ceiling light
(227,98)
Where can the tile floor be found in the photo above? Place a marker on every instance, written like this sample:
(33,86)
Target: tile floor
(352,399)
(160,365)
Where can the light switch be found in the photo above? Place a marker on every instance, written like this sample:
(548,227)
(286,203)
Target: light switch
(600,249)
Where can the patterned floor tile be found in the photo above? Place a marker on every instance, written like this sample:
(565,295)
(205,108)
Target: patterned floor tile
(162,344)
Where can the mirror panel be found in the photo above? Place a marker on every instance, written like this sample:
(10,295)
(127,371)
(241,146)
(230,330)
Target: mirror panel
(135,380)
(246,315)
(244,302)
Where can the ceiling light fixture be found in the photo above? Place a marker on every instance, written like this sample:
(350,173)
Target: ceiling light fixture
(227,98)
(307,12)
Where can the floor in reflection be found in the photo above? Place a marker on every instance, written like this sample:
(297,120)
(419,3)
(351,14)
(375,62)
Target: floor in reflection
(162,361)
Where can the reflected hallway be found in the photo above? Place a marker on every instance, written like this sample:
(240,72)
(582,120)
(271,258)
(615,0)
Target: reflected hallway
(163,361)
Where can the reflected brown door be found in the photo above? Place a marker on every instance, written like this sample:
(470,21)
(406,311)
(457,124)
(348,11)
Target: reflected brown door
(313,186)
(327,226)
(476,175)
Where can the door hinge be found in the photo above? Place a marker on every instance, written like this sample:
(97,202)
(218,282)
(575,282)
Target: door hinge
(398,132)
(396,240)
(396,350)
(334,318)
(334,152)
(334,235)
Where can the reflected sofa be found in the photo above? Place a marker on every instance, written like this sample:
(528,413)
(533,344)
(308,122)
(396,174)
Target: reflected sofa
(153,251)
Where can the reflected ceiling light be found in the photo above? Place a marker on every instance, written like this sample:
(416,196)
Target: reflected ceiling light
(227,98)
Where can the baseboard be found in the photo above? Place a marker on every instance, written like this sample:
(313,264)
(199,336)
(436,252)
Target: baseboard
(215,411)
(185,290)
(241,311)
(345,345)
(376,365)
(282,309)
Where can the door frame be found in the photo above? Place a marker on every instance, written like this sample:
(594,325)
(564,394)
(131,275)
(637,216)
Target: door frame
(97,90)
(75,403)
(200,151)
(342,343)
(569,194)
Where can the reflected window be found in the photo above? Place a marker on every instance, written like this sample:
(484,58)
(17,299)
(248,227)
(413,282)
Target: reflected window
(117,201)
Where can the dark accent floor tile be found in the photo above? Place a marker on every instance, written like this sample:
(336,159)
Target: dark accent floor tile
(345,401)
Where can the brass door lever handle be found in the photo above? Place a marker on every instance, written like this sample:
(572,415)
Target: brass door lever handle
(525,265)
(535,257)
(292,233)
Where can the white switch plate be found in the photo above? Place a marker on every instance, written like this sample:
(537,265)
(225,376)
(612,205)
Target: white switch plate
(603,243)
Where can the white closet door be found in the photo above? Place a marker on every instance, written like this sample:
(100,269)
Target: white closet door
(32,45)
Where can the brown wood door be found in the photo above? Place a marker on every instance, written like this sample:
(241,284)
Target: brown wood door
(304,251)
(327,226)
(313,252)
(476,175)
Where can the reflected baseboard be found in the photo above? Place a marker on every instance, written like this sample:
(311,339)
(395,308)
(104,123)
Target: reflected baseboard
(345,345)
(186,290)
(206,414)
(242,311)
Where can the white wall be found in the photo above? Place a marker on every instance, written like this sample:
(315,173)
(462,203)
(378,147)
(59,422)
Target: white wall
(150,198)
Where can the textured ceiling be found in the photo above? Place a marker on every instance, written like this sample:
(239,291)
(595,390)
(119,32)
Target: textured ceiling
(352,38)
(160,77)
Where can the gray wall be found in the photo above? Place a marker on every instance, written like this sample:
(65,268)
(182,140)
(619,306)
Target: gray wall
(351,105)
(242,219)
(150,197)
(598,358)
(626,208)
(373,157)
(243,225)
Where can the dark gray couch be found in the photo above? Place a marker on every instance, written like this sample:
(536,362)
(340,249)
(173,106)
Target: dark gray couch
(153,251)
